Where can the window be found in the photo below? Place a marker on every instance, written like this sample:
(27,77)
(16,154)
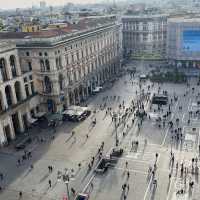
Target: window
(46,54)
(31,77)
(67,60)
(77,55)
(40,53)
(47,85)
(32,87)
(27,90)
(29,65)
(3,69)
(61,82)
(25,79)
(72,58)
(57,63)
(42,67)
(47,65)
(27,53)
(60,61)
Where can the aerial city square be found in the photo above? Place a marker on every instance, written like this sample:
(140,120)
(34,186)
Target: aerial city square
(99,100)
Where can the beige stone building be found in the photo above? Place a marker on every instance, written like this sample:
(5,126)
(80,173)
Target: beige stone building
(65,65)
(18,99)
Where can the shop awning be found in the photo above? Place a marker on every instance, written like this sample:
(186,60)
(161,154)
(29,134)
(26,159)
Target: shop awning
(75,110)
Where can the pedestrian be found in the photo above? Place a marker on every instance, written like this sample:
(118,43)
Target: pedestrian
(50,183)
(73,191)
(79,166)
(128,174)
(19,161)
(170,176)
(91,185)
(1,176)
(20,194)
(126,164)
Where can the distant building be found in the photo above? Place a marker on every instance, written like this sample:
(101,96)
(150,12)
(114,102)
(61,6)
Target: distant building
(42,5)
(144,34)
(183,41)
(30,27)
(65,64)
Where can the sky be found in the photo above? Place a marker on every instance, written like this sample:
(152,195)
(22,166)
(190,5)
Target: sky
(11,4)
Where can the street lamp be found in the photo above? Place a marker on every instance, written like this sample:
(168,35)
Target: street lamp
(116,136)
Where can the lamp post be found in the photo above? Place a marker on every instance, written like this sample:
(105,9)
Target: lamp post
(116,136)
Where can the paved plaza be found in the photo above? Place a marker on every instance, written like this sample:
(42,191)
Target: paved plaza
(65,152)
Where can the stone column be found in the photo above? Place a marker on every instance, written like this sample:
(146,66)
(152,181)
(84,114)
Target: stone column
(23,92)
(4,100)
(2,136)
(17,65)
(21,123)
(13,95)
(8,68)
(12,130)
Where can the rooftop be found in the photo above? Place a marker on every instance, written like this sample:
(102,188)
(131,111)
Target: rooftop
(83,24)
(144,16)
(188,19)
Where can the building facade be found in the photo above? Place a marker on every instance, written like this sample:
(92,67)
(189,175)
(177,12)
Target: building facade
(144,34)
(49,71)
(68,69)
(183,43)
(18,99)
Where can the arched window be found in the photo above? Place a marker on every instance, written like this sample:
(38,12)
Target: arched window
(42,67)
(8,92)
(13,65)
(18,91)
(61,81)
(47,64)
(47,85)
(57,63)
(3,69)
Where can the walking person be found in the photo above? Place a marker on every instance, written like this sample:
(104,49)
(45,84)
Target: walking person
(20,194)
(50,183)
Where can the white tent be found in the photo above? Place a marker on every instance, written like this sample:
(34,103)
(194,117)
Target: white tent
(75,110)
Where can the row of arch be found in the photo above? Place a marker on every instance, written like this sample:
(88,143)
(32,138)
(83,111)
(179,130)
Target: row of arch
(11,95)
(6,66)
